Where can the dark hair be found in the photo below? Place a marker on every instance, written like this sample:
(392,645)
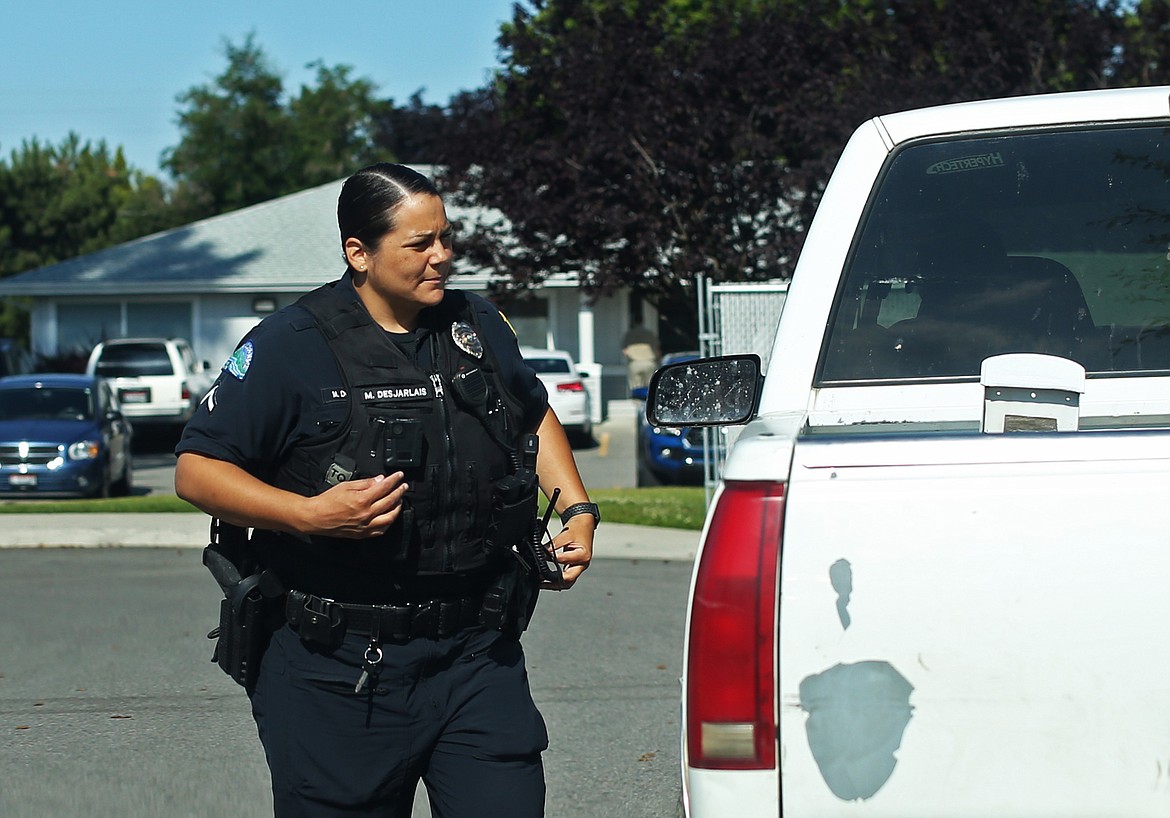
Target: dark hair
(365,208)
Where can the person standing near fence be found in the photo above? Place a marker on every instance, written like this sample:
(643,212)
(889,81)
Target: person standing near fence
(640,348)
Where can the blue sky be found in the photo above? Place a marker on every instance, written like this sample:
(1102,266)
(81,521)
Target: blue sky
(112,70)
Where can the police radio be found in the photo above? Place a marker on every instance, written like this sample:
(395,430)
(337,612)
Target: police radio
(514,502)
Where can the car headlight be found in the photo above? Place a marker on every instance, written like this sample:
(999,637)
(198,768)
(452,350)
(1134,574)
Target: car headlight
(85,450)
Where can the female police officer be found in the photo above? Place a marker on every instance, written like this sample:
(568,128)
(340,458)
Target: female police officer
(377,437)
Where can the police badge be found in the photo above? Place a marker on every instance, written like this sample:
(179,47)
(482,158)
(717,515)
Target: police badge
(463,334)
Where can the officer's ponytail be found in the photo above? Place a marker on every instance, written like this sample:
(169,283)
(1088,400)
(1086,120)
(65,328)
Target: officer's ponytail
(369,199)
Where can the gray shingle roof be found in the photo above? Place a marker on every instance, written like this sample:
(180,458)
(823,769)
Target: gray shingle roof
(289,244)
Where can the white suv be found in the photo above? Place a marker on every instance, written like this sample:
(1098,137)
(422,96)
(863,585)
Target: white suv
(157,380)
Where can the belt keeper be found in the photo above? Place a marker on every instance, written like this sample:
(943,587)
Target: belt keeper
(398,620)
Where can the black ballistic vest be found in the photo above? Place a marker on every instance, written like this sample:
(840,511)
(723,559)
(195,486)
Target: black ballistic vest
(451,427)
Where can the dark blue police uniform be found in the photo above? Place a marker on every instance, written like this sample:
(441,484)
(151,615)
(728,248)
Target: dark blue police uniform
(350,725)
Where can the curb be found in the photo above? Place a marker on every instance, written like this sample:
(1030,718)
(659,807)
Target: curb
(187,530)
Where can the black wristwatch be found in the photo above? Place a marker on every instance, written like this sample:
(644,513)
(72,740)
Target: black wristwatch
(581,508)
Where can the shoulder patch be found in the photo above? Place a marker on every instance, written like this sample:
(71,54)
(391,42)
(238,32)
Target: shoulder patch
(241,359)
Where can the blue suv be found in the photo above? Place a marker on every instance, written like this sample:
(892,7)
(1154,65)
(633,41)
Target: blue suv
(665,455)
(62,435)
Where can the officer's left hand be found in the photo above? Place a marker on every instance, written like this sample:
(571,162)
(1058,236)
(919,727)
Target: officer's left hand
(573,547)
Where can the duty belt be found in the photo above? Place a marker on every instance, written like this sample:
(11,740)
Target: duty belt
(326,620)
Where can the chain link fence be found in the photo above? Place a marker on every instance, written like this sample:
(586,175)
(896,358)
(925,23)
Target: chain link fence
(735,319)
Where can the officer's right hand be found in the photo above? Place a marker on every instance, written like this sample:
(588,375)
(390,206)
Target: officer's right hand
(357,509)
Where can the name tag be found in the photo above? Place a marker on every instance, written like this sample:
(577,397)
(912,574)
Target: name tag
(375,394)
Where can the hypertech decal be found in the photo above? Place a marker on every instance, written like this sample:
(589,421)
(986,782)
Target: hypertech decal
(980,162)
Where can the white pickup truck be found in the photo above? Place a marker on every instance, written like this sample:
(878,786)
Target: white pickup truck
(935,576)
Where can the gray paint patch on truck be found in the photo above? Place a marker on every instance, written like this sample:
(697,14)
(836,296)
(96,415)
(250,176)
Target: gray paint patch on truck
(841,578)
(857,714)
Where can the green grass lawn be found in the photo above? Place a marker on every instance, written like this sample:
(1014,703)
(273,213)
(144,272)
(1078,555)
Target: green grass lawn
(668,506)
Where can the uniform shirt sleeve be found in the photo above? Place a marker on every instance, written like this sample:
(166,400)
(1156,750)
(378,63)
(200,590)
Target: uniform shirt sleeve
(271,394)
(519,377)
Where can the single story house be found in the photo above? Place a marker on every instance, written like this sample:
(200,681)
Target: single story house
(212,280)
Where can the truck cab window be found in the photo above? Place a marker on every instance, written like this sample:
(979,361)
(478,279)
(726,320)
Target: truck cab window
(1054,243)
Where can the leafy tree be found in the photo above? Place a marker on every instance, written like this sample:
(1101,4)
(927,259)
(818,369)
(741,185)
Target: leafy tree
(615,153)
(63,201)
(416,133)
(333,126)
(1144,57)
(146,207)
(57,202)
(640,142)
(236,136)
(242,143)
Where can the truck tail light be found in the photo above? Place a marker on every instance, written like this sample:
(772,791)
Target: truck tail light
(186,391)
(571,386)
(731,665)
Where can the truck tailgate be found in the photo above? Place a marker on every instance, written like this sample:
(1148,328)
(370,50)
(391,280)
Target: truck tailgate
(976,625)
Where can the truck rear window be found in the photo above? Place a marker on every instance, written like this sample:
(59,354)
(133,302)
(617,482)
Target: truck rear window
(1055,242)
(134,360)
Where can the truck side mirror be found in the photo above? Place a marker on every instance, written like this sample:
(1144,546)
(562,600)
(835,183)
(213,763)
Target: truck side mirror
(705,392)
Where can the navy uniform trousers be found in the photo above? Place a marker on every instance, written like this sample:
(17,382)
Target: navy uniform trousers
(455,712)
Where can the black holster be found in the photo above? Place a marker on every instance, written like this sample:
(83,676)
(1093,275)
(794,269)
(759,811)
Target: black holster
(251,610)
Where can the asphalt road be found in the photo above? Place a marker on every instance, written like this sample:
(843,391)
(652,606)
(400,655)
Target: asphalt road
(109,706)
(112,708)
